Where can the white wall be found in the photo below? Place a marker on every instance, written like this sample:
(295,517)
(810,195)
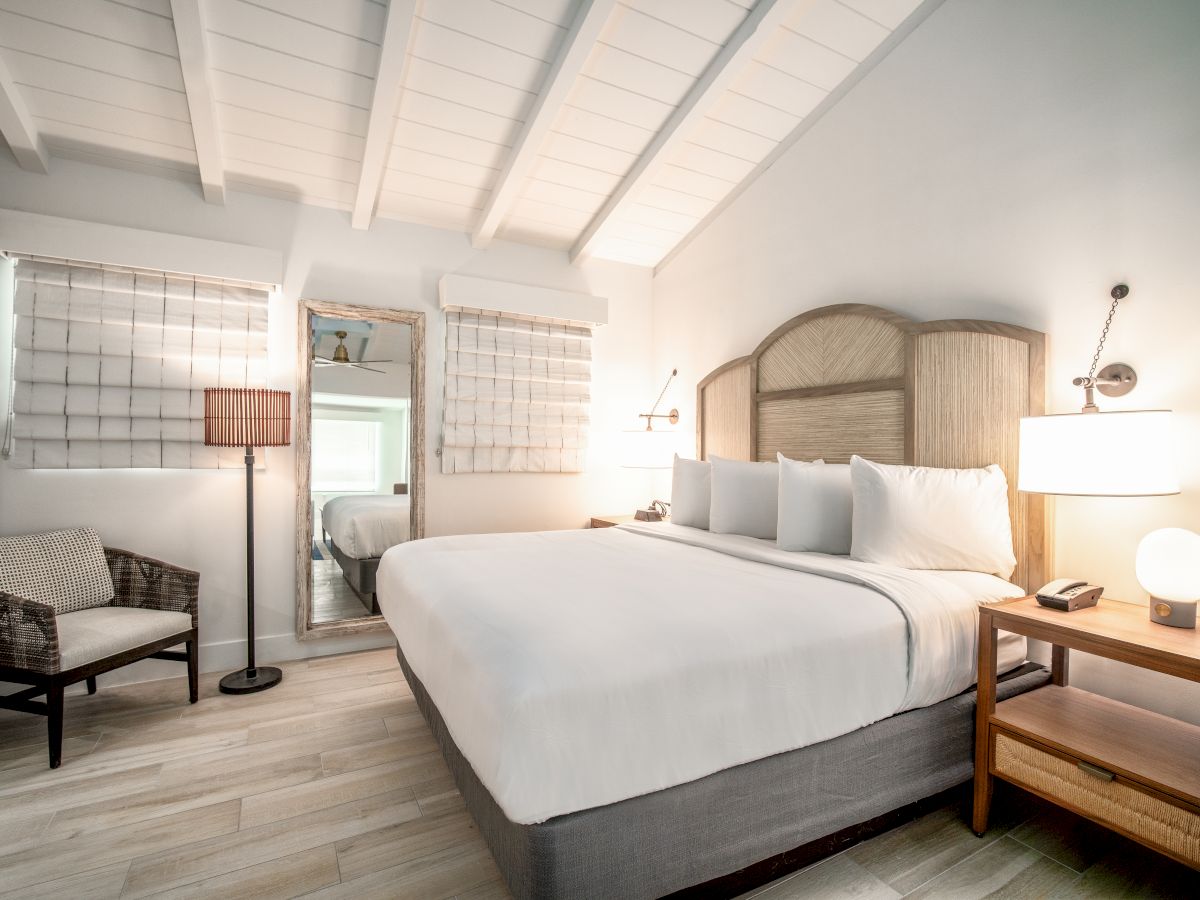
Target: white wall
(196,519)
(1011,160)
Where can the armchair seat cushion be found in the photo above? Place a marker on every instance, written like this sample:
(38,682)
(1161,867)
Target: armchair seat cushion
(92,634)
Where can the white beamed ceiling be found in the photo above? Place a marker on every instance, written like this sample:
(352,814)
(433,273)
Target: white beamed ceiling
(292,82)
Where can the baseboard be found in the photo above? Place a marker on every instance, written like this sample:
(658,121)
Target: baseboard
(227,656)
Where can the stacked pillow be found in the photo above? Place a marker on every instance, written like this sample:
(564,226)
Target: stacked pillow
(912,517)
(815,506)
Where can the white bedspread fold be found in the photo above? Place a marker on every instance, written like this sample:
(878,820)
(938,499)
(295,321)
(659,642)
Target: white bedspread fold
(578,668)
(942,614)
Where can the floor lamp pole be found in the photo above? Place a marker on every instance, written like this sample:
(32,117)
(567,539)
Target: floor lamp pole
(252,678)
(250,670)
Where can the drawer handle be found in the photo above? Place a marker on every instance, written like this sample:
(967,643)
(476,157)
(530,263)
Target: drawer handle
(1098,772)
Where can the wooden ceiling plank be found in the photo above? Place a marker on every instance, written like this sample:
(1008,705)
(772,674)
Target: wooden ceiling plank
(576,46)
(746,41)
(18,128)
(922,11)
(191,35)
(385,100)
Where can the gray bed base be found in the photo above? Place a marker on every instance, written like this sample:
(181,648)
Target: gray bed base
(692,833)
(359,574)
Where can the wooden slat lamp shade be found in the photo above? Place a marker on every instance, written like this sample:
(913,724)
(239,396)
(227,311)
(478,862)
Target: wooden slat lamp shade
(247,417)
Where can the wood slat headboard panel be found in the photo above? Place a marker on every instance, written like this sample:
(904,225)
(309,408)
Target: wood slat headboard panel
(853,379)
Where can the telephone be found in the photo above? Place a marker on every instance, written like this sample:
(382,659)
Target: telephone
(657,511)
(1068,595)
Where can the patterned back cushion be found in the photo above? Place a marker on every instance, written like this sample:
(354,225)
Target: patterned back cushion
(63,568)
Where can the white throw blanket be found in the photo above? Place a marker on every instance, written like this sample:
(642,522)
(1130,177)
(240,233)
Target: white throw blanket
(578,668)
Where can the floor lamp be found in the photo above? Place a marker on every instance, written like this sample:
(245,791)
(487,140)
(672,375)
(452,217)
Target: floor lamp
(248,417)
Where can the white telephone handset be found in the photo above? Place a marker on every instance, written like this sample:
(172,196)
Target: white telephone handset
(1068,594)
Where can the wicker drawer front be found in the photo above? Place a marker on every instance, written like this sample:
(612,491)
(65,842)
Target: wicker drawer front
(1144,815)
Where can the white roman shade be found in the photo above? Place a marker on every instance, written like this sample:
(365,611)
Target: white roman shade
(518,389)
(111,364)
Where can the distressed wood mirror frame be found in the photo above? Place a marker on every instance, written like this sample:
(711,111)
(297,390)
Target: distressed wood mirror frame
(306,629)
(855,379)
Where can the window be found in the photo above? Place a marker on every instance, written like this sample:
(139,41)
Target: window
(111,364)
(345,455)
(517,393)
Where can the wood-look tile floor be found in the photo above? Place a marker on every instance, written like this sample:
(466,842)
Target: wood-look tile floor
(333,598)
(331,785)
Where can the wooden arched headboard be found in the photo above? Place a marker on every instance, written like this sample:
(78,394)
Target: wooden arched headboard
(854,379)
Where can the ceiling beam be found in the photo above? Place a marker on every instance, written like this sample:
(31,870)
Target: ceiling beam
(16,124)
(744,44)
(385,98)
(191,36)
(576,46)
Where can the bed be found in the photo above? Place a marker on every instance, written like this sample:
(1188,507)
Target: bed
(359,529)
(633,711)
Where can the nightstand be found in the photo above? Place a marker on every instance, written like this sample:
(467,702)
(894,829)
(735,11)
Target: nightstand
(609,521)
(1131,770)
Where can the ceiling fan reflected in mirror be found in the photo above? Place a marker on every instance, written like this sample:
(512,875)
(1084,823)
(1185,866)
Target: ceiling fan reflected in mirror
(341,357)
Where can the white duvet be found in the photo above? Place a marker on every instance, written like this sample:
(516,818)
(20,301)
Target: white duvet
(364,526)
(579,668)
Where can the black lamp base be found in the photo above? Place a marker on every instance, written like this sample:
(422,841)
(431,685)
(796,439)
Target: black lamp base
(248,681)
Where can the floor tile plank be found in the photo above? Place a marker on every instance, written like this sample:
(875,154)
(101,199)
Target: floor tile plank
(1066,838)
(438,875)
(276,879)
(199,860)
(495,889)
(171,795)
(104,883)
(839,878)
(375,850)
(907,857)
(221,762)
(337,718)
(439,796)
(363,756)
(37,753)
(321,793)
(53,859)
(70,789)
(1004,868)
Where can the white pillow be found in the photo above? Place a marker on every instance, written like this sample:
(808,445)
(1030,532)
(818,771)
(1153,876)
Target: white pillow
(745,497)
(815,507)
(925,518)
(691,492)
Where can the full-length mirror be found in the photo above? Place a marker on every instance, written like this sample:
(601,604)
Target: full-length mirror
(359,457)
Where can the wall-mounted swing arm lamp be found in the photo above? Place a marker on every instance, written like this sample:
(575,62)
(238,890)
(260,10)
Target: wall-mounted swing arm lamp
(1128,453)
(1115,379)
(672,416)
(649,449)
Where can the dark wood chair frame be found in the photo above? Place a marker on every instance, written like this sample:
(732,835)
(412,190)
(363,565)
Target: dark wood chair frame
(29,652)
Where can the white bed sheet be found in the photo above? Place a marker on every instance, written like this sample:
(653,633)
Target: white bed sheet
(364,526)
(579,668)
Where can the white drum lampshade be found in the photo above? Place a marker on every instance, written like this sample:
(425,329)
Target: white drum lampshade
(1100,454)
(646,449)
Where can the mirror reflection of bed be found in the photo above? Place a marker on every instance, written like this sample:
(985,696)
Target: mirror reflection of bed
(359,457)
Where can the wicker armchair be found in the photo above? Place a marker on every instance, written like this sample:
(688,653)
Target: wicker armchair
(50,651)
